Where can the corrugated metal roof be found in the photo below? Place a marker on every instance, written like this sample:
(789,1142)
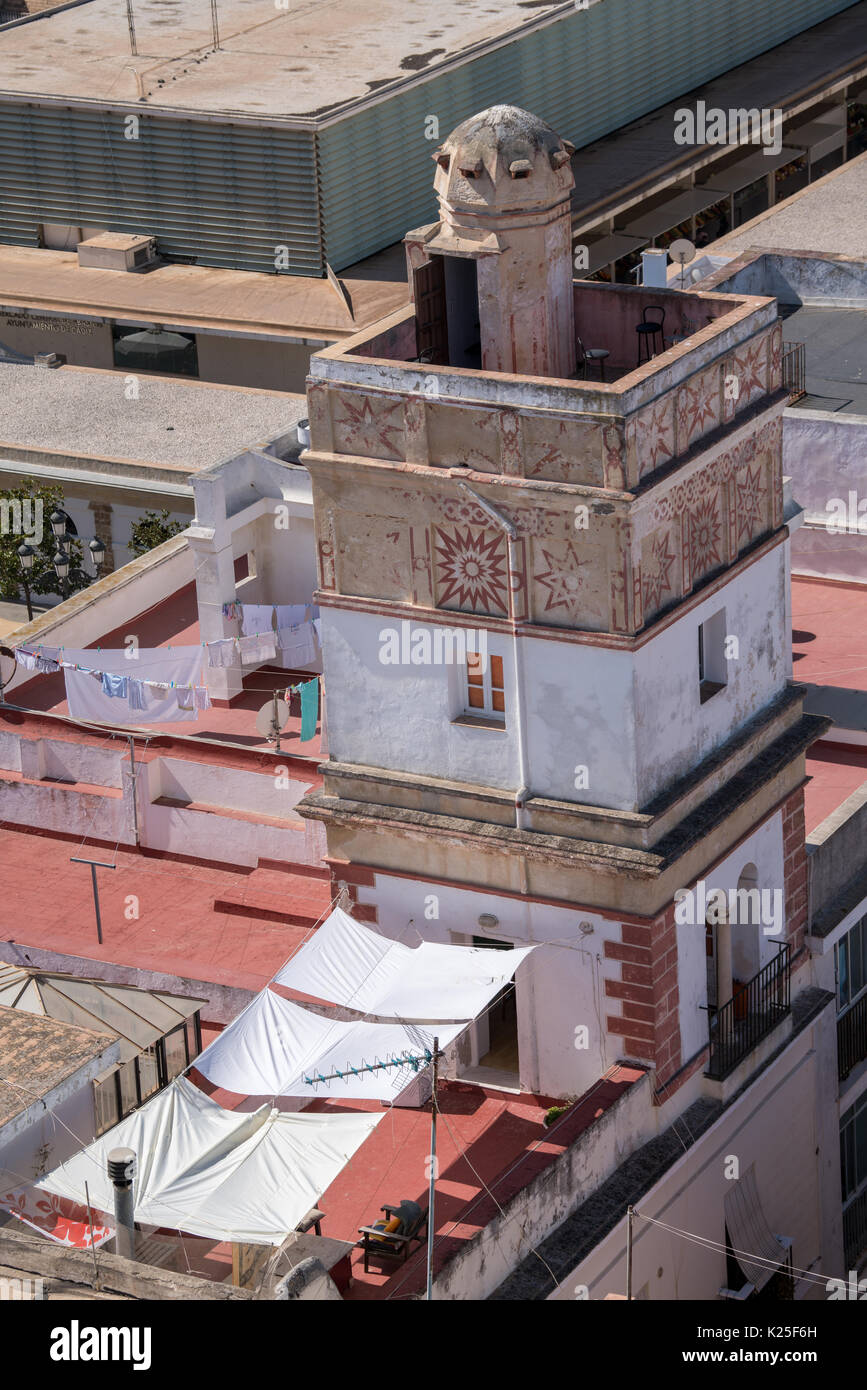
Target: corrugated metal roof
(138,1016)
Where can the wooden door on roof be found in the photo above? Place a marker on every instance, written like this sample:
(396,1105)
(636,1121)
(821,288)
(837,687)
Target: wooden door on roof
(429,294)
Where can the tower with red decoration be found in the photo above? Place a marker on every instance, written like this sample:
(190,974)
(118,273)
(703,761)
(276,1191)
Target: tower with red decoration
(553,582)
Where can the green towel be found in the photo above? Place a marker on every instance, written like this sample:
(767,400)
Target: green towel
(309,709)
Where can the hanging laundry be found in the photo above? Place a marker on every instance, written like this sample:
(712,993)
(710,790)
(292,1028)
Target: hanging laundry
(296,645)
(256,618)
(158,668)
(290,615)
(232,610)
(25,658)
(46,664)
(317,627)
(257,649)
(184,695)
(115,686)
(309,709)
(201,698)
(223,652)
(137,695)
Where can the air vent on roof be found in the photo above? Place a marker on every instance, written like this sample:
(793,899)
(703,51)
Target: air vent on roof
(117,251)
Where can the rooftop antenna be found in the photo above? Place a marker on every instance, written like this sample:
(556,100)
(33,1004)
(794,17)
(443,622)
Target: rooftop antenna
(131,26)
(682,251)
(429,1057)
(215,25)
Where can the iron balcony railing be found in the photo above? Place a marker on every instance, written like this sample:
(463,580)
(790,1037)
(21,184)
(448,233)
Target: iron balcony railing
(749,1016)
(795,369)
(855,1230)
(852,1037)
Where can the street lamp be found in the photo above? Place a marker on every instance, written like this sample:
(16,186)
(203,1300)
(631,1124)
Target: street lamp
(60,561)
(26,554)
(97,552)
(59,521)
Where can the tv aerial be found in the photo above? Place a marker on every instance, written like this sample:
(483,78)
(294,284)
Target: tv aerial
(272,719)
(682,251)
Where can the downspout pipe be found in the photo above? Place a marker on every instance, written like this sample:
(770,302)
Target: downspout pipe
(511,532)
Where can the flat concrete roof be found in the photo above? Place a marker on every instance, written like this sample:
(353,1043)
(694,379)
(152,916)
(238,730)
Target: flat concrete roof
(293,306)
(302,60)
(827,216)
(38,1055)
(836,357)
(174,423)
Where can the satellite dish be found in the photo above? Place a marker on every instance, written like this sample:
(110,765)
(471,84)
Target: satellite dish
(682,252)
(272,718)
(8,667)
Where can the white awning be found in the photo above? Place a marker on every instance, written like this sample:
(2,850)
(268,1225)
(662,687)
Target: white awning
(749,1232)
(345,963)
(274,1044)
(214,1172)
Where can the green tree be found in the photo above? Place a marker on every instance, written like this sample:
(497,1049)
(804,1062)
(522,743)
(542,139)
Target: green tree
(151,530)
(21,520)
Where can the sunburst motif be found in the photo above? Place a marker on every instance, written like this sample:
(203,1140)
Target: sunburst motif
(471,570)
(705,531)
(563,581)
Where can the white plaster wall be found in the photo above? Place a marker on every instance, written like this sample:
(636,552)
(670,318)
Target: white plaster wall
(230,841)
(777,1124)
(674,730)
(212,785)
(576,698)
(559,988)
(55,808)
(764,848)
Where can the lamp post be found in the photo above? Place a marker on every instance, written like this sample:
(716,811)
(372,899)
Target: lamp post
(60,526)
(26,555)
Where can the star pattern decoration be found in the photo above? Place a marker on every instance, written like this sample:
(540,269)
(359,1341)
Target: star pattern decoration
(705,532)
(471,570)
(656,579)
(749,369)
(654,442)
(750,505)
(367,431)
(697,407)
(563,581)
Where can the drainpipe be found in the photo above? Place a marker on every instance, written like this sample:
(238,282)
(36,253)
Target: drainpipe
(511,537)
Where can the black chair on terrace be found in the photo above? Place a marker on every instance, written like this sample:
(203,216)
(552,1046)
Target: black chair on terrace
(650,336)
(585,355)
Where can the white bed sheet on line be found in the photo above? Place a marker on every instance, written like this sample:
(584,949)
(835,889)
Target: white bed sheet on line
(86,699)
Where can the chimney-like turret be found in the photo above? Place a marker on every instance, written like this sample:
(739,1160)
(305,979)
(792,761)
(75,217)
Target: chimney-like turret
(504,181)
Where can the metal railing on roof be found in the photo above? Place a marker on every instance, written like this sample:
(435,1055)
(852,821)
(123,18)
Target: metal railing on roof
(795,369)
